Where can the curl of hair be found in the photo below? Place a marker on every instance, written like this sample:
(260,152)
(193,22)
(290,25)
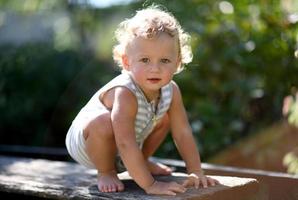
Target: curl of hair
(148,23)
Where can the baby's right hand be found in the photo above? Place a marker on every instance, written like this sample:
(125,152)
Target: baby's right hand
(165,188)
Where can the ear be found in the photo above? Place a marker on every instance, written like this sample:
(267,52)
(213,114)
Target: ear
(125,62)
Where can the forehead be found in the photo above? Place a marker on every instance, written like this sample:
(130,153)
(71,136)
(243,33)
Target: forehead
(161,43)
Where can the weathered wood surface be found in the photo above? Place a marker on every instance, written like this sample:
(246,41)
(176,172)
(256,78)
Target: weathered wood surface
(65,180)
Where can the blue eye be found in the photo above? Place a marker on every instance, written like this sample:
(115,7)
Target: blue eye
(165,60)
(144,60)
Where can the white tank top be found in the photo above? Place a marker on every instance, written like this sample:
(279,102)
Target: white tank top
(147,115)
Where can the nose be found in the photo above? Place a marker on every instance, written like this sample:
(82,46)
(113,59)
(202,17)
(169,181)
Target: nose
(154,67)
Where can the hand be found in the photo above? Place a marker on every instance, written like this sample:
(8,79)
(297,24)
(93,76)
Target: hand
(198,178)
(165,188)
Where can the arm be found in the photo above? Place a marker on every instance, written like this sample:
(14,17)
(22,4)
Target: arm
(185,142)
(123,116)
(182,133)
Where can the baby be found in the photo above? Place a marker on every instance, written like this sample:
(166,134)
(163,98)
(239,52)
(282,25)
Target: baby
(125,121)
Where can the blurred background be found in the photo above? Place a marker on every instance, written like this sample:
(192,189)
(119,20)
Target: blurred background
(239,91)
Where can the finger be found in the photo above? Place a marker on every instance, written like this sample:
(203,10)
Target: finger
(186,183)
(197,183)
(179,185)
(211,181)
(169,192)
(175,185)
(204,182)
(216,181)
(178,188)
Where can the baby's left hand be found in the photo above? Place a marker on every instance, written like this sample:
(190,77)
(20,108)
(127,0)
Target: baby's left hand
(198,178)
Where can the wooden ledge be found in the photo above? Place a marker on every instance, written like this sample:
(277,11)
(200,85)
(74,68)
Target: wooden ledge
(65,180)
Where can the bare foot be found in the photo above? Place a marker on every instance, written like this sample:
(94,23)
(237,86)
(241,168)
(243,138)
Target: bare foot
(158,168)
(109,182)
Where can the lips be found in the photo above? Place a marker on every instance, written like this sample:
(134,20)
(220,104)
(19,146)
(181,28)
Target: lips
(154,80)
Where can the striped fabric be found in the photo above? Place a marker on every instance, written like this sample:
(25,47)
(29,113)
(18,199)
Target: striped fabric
(146,118)
(147,115)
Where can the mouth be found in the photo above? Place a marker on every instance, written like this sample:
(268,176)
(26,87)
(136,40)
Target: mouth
(154,80)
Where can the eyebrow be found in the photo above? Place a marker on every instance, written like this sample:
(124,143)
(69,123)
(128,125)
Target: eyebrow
(161,56)
(142,55)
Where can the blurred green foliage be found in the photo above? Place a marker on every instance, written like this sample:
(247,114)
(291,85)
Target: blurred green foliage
(244,64)
(290,110)
(40,92)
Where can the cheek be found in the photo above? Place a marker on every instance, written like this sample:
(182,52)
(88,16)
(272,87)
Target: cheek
(172,69)
(138,72)
(138,69)
(170,73)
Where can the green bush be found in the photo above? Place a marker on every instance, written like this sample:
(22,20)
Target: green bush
(42,90)
(243,66)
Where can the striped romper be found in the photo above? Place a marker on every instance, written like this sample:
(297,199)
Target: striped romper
(146,118)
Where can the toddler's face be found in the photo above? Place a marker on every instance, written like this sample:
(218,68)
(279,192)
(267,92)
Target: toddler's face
(152,62)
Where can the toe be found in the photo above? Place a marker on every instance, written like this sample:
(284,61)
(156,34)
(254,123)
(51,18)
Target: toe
(101,188)
(113,188)
(120,187)
(106,188)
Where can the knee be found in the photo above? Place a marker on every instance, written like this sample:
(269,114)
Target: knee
(99,126)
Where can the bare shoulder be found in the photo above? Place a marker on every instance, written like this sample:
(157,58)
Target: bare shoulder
(123,93)
(125,102)
(176,91)
(177,106)
(124,110)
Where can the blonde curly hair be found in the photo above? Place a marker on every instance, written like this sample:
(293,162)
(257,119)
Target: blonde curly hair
(147,23)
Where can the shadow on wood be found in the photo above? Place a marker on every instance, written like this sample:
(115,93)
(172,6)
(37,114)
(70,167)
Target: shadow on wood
(65,180)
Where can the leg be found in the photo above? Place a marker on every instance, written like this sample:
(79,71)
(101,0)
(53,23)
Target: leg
(157,136)
(101,149)
(152,143)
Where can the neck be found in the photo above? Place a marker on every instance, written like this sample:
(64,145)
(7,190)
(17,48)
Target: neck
(154,97)
(149,95)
